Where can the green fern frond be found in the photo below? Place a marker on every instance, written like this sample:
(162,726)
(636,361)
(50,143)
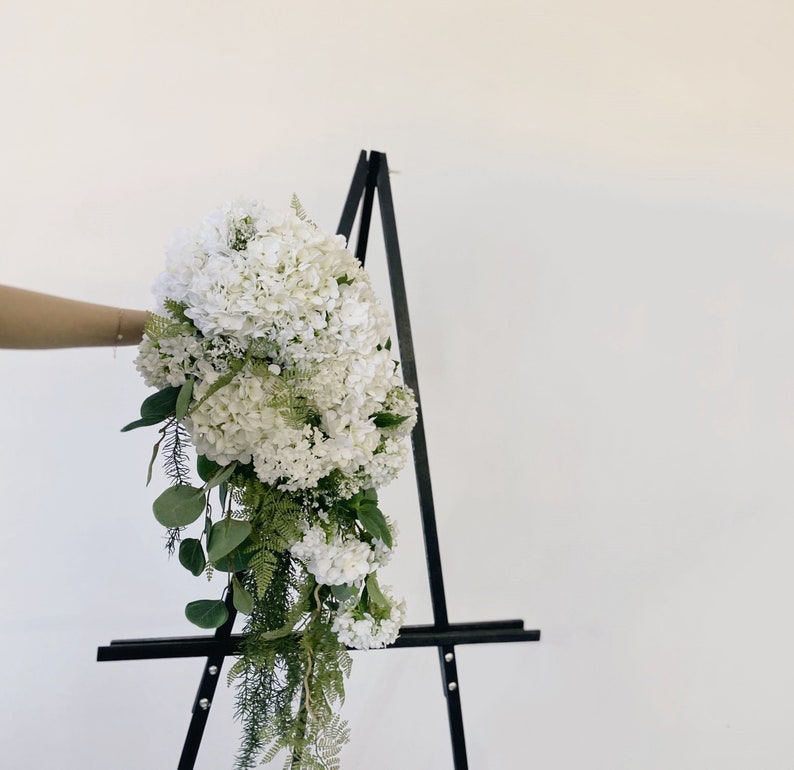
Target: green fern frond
(263,567)
(158,327)
(294,408)
(259,367)
(177,311)
(300,212)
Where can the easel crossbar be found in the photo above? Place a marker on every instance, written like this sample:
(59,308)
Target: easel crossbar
(410,636)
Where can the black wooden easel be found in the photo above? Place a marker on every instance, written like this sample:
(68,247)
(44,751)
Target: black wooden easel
(371,174)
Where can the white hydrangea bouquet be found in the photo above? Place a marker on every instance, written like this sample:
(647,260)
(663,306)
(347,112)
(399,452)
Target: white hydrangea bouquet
(271,355)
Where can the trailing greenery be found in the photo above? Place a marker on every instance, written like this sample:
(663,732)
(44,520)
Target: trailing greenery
(274,517)
(291,675)
(292,667)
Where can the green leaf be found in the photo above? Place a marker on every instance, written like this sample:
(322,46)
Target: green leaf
(191,556)
(183,399)
(344,592)
(179,505)
(374,522)
(160,404)
(375,594)
(387,420)
(221,475)
(206,468)
(207,613)
(142,423)
(155,408)
(155,450)
(242,600)
(237,561)
(225,536)
(366,497)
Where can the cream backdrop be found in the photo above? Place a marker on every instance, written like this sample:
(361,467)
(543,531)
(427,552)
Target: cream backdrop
(595,209)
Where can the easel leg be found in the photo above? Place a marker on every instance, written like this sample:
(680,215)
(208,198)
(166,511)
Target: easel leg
(206,691)
(449,670)
(454,711)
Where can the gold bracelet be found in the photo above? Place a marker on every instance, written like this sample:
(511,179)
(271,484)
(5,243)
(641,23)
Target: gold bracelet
(119,335)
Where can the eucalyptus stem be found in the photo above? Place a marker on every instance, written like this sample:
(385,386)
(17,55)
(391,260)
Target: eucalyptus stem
(304,713)
(301,725)
(305,687)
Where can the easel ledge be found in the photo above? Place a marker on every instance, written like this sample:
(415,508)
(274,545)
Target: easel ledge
(485,632)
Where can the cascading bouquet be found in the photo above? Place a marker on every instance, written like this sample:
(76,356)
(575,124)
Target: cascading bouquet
(271,355)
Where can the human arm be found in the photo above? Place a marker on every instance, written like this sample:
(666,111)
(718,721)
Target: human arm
(29,319)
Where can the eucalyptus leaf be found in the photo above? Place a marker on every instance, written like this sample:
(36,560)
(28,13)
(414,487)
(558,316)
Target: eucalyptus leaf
(160,404)
(242,600)
(374,522)
(183,399)
(344,592)
(191,556)
(375,594)
(207,613)
(238,560)
(206,468)
(225,536)
(179,505)
(221,475)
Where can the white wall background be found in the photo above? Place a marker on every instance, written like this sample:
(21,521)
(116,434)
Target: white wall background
(595,209)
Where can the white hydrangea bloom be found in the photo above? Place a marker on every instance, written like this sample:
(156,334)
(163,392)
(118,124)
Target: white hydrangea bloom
(284,300)
(293,458)
(151,365)
(228,424)
(251,272)
(336,560)
(170,361)
(340,560)
(362,630)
